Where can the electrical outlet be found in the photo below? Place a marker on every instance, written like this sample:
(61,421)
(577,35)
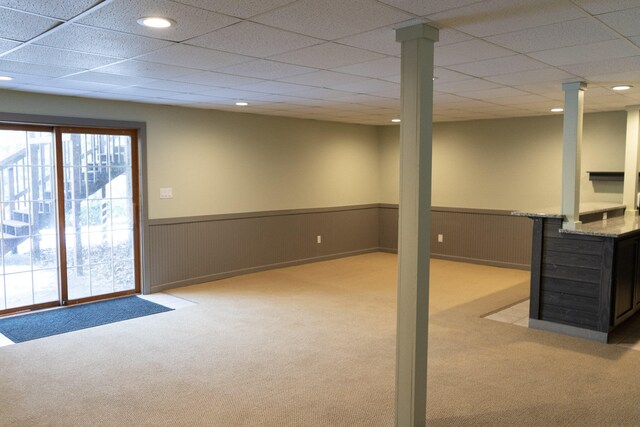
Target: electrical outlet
(440,238)
(319,239)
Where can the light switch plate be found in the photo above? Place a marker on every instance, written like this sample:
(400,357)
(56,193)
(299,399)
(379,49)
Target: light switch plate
(166,193)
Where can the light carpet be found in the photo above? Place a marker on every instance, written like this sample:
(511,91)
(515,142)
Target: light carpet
(314,345)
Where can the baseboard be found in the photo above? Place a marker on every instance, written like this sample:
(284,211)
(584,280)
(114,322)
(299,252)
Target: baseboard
(227,274)
(573,331)
(388,250)
(482,262)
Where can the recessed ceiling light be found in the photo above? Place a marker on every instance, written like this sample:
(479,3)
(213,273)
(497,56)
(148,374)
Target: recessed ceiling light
(622,87)
(557,110)
(156,22)
(395,120)
(242,103)
(5,78)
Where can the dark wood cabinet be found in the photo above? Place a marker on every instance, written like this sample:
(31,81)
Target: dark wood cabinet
(583,284)
(626,279)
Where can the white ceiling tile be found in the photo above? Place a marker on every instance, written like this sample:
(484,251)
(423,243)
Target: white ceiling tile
(146,69)
(171,85)
(23,79)
(265,69)
(326,56)
(332,19)
(233,93)
(122,15)
(444,75)
(629,77)
(501,92)
(193,98)
(52,90)
(323,78)
(359,98)
(523,99)
(462,86)
(115,96)
(23,26)
(468,51)
(248,38)
(193,57)
(140,91)
(62,9)
(368,86)
(211,78)
(492,17)
(272,87)
(387,93)
(568,33)
(6,45)
(497,66)
(597,7)
(376,68)
(101,42)
(603,67)
(448,36)
(319,93)
(547,75)
(588,52)
(79,85)
(43,55)
(421,7)
(110,79)
(395,79)
(381,40)
(239,8)
(35,69)
(624,21)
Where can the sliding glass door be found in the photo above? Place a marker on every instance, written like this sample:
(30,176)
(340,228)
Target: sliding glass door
(69,215)
(30,267)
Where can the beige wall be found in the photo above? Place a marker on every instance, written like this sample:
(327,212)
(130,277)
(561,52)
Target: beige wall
(219,162)
(510,163)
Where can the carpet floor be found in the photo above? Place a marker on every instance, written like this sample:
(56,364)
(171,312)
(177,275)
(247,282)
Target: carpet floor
(314,345)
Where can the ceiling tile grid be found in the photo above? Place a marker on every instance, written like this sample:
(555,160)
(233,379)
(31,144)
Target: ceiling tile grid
(122,15)
(330,59)
(99,41)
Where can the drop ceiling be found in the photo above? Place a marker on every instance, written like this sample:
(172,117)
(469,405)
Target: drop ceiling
(324,59)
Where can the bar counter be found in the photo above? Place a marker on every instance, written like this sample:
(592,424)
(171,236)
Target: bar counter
(584,282)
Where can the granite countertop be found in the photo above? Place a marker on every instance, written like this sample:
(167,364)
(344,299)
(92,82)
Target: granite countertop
(554,212)
(615,227)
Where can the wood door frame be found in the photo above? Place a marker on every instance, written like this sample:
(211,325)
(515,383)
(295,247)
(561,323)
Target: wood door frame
(137,133)
(135,196)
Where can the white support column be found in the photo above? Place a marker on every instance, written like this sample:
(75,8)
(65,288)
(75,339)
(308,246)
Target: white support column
(571,152)
(631,161)
(414,237)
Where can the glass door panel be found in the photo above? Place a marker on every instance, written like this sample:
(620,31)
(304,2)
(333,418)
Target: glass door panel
(100,233)
(29,244)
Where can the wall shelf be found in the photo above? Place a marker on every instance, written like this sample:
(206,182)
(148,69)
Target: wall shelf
(606,176)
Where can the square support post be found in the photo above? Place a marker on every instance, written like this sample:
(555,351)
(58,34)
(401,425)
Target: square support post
(416,87)
(572,152)
(631,161)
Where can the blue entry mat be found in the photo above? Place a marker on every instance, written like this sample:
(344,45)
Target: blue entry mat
(43,324)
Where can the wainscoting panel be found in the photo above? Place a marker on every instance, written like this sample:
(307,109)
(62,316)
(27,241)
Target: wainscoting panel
(185,251)
(483,236)
(193,250)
